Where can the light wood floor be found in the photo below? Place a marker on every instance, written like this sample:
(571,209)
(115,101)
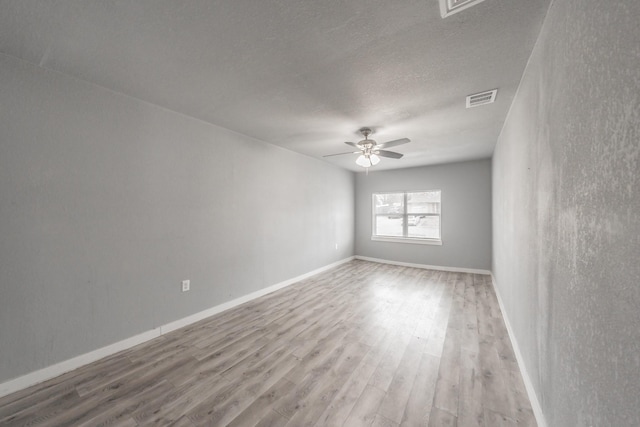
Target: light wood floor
(364,344)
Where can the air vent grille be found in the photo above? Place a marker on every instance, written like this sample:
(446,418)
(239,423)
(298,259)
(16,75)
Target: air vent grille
(481,98)
(449,7)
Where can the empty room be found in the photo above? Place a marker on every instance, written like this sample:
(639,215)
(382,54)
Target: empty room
(307,213)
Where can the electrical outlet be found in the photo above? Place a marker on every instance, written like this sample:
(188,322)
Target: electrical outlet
(186,285)
(336,246)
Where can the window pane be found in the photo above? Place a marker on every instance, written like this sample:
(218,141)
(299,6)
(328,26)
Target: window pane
(426,227)
(423,202)
(388,225)
(392,203)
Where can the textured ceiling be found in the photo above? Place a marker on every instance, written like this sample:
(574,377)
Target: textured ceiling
(305,75)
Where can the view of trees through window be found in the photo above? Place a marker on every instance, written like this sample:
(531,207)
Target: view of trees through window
(413,215)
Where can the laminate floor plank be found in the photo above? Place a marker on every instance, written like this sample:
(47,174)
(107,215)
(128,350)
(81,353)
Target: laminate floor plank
(361,344)
(380,421)
(288,406)
(397,395)
(272,419)
(440,418)
(342,404)
(242,392)
(383,375)
(260,407)
(121,411)
(365,409)
(232,345)
(469,339)
(470,410)
(446,395)
(418,407)
(62,404)
(186,396)
(496,419)
(127,390)
(313,405)
(324,347)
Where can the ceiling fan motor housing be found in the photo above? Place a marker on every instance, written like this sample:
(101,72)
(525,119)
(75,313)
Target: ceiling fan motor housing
(366,144)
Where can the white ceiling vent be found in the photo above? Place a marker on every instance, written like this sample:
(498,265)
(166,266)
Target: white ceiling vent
(449,7)
(481,98)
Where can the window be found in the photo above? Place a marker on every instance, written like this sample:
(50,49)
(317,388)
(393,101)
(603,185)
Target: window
(410,216)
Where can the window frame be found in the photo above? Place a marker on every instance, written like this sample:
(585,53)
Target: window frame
(405,220)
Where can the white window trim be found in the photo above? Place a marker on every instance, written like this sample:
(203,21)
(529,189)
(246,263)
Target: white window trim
(400,239)
(413,240)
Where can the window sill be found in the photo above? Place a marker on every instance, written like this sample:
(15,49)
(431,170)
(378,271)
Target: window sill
(437,242)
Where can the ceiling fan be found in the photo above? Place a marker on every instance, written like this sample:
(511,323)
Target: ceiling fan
(370,151)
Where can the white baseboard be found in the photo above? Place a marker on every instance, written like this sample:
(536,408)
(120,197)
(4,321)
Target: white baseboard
(57,369)
(425,266)
(528,384)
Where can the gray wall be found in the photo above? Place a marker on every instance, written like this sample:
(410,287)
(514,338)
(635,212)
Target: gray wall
(107,203)
(566,188)
(466,214)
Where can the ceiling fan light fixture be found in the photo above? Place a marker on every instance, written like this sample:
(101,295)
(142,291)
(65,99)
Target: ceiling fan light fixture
(363,161)
(367,160)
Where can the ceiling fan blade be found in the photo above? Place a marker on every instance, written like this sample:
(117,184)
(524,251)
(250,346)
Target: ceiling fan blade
(340,154)
(391,154)
(353,144)
(393,143)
